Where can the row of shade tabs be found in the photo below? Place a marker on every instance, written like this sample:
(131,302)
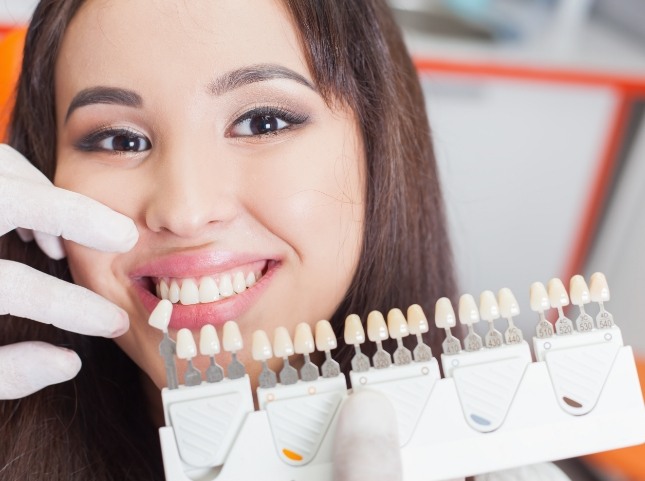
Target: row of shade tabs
(397,326)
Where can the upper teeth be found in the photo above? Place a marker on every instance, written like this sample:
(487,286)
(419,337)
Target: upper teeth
(206,289)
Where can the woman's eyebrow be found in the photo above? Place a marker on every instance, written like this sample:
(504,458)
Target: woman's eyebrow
(254,73)
(104,95)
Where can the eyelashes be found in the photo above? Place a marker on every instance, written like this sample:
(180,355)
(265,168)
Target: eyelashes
(258,124)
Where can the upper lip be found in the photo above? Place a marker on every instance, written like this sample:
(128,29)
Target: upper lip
(183,265)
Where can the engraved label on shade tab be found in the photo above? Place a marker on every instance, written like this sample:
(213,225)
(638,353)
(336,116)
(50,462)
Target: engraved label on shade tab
(418,325)
(539,300)
(398,329)
(558,298)
(509,308)
(600,294)
(262,352)
(469,315)
(580,295)
(354,335)
(444,318)
(233,344)
(377,333)
(159,319)
(489,311)
(187,349)
(209,346)
(304,344)
(325,342)
(283,348)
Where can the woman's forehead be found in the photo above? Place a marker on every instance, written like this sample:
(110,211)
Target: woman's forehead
(184,42)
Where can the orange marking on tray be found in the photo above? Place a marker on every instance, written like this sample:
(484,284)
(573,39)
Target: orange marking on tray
(291,455)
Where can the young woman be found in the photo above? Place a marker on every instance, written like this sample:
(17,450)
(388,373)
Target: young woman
(278,150)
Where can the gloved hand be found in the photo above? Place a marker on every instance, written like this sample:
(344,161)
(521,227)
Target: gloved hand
(366,446)
(30,202)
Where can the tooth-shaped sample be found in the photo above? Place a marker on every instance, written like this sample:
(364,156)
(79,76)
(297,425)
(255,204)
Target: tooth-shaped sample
(233,343)
(377,333)
(250,279)
(600,294)
(282,344)
(304,344)
(261,346)
(509,308)
(469,315)
(160,315)
(489,311)
(208,341)
(558,298)
(189,292)
(325,342)
(283,347)
(239,283)
(159,319)
(579,293)
(417,325)
(209,346)
(539,300)
(397,327)
(173,292)
(262,352)
(226,286)
(187,349)
(444,318)
(163,289)
(355,336)
(208,291)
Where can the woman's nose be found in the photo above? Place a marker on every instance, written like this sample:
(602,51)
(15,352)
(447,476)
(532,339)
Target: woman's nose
(190,196)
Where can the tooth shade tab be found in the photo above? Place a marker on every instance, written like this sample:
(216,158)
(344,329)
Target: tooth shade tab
(579,291)
(417,320)
(354,333)
(208,341)
(186,347)
(444,314)
(282,344)
(508,306)
(261,346)
(325,337)
(303,340)
(558,296)
(160,315)
(232,337)
(599,287)
(539,298)
(488,307)
(376,327)
(468,311)
(396,324)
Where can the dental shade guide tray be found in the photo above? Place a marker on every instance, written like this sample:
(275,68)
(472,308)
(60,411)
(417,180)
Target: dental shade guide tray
(494,409)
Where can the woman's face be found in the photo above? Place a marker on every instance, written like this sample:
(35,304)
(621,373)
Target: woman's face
(200,121)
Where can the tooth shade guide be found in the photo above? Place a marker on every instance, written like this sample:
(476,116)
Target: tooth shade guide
(283,348)
(304,344)
(354,335)
(325,342)
(493,338)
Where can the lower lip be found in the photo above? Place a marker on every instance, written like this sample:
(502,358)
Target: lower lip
(216,313)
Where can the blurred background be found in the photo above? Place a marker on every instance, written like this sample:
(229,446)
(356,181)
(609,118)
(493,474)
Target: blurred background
(536,108)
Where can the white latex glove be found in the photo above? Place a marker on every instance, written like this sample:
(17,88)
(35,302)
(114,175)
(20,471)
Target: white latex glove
(30,202)
(366,446)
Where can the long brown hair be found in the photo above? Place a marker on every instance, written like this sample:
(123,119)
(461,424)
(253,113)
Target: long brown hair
(95,427)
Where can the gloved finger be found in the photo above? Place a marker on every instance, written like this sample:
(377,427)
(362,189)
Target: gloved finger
(29,200)
(26,235)
(50,245)
(26,292)
(27,367)
(366,444)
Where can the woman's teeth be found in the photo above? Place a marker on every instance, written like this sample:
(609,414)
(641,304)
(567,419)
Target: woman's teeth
(207,289)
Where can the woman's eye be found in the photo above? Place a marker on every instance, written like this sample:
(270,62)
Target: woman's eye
(264,122)
(115,140)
